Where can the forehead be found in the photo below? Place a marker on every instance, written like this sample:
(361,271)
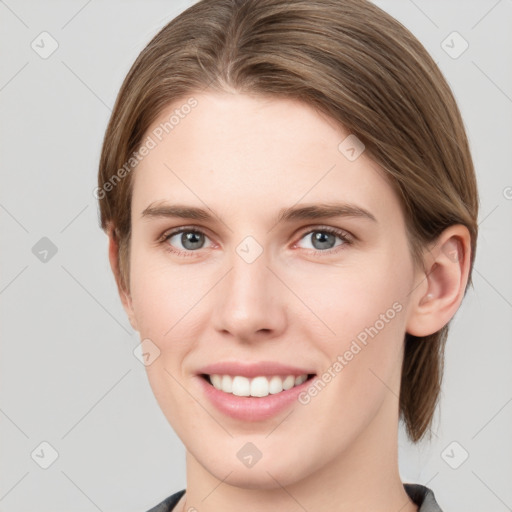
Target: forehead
(265,152)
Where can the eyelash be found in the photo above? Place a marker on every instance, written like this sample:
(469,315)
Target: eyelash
(344,236)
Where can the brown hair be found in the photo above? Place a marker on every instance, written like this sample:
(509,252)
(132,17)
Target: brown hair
(349,60)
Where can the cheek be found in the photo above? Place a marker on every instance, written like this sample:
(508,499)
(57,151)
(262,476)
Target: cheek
(162,293)
(165,298)
(344,301)
(363,317)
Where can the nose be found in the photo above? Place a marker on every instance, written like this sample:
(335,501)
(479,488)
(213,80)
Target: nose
(250,302)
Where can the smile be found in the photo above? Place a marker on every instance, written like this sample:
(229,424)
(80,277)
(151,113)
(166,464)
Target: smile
(259,386)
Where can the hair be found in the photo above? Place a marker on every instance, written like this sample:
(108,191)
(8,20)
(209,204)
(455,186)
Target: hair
(348,59)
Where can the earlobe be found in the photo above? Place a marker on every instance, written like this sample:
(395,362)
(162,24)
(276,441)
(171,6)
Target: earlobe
(445,276)
(113,256)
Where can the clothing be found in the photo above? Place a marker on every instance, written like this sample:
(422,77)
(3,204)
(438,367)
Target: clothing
(419,494)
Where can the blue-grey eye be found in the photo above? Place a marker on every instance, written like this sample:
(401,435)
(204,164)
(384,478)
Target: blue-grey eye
(189,240)
(323,239)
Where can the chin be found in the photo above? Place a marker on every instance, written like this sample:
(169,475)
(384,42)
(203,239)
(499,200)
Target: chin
(254,479)
(275,470)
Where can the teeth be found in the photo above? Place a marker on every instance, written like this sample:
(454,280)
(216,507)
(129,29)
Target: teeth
(216,381)
(275,385)
(258,386)
(227,383)
(241,386)
(289,382)
(301,379)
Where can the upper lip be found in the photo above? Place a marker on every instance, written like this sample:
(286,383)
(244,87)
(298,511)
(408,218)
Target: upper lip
(253,369)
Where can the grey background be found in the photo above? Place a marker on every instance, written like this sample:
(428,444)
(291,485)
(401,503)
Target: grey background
(68,373)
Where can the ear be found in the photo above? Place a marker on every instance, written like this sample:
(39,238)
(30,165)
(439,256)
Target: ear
(442,281)
(113,256)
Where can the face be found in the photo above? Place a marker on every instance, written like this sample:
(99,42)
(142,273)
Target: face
(261,245)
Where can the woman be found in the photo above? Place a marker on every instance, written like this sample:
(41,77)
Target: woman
(292,210)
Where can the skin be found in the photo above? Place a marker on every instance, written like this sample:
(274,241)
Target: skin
(244,158)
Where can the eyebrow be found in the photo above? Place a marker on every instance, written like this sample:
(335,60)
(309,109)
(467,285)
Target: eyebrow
(162,209)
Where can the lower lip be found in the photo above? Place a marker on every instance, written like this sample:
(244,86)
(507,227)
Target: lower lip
(250,408)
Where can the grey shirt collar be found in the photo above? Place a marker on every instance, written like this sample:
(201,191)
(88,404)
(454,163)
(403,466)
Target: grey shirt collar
(422,496)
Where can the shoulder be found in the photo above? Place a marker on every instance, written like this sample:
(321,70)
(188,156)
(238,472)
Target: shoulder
(169,503)
(422,496)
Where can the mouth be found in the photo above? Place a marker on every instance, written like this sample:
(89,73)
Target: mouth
(257,387)
(255,391)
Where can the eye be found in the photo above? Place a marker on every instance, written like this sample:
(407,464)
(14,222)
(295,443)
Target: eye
(187,240)
(324,238)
